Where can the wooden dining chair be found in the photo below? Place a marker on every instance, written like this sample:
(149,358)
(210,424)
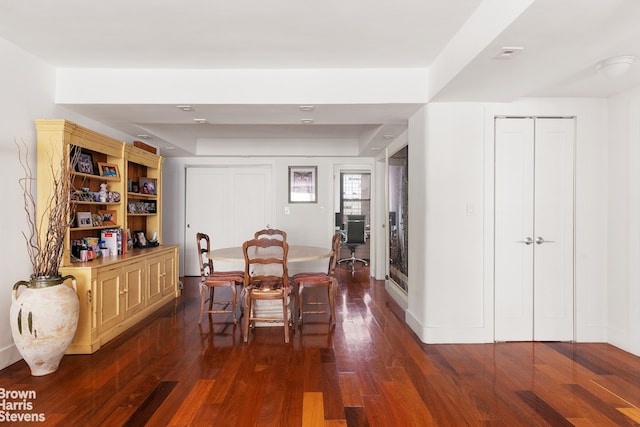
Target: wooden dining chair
(211,279)
(270,233)
(266,278)
(319,279)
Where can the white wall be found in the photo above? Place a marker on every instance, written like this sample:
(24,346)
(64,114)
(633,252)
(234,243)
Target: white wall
(451,300)
(28,89)
(623,320)
(306,224)
(27,86)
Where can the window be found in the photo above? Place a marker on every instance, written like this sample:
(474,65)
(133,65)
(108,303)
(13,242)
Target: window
(355,194)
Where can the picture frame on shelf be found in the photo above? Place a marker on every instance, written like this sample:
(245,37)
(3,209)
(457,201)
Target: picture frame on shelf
(147,186)
(303,184)
(129,239)
(85,164)
(109,217)
(96,220)
(83,219)
(108,170)
(140,239)
(150,207)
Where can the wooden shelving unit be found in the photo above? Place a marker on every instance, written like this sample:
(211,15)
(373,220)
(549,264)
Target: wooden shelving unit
(115,292)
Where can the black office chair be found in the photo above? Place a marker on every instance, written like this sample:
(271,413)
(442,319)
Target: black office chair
(355,236)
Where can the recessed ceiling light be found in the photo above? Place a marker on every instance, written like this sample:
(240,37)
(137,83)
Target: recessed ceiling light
(169,148)
(184,107)
(200,121)
(387,136)
(306,121)
(306,108)
(143,136)
(508,52)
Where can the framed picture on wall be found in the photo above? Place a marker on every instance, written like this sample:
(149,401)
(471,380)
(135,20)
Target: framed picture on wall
(303,184)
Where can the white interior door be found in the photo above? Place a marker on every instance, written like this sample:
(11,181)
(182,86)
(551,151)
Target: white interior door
(227,203)
(514,151)
(553,230)
(534,172)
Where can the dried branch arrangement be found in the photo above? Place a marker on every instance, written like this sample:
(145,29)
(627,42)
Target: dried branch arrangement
(45,235)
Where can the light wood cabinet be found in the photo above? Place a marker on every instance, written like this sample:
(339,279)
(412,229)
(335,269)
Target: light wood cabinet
(110,287)
(135,284)
(115,292)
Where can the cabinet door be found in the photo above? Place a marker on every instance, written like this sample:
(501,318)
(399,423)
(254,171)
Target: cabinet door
(110,288)
(134,290)
(168,280)
(154,284)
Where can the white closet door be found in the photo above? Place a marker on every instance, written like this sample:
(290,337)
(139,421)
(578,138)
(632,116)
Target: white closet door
(514,229)
(229,204)
(554,214)
(534,170)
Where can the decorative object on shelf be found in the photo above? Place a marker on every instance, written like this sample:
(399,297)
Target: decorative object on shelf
(83,219)
(108,169)
(140,239)
(148,186)
(96,220)
(83,163)
(150,207)
(102,194)
(113,197)
(44,315)
(109,217)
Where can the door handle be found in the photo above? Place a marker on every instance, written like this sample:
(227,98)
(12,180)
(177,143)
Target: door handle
(526,241)
(540,240)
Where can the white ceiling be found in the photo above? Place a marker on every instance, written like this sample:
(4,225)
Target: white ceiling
(562,40)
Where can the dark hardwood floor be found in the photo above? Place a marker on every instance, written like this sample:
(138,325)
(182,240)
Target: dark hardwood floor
(370,371)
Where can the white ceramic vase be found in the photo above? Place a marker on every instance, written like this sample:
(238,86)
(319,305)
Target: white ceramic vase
(44,318)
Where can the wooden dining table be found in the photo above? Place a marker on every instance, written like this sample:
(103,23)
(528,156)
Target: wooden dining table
(297,253)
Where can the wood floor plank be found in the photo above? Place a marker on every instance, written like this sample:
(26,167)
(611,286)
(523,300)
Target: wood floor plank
(349,389)
(312,410)
(187,411)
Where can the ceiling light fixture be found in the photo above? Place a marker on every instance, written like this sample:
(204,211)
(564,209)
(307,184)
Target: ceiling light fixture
(184,107)
(387,136)
(306,121)
(508,52)
(200,121)
(306,108)
(616,65)
(143,136)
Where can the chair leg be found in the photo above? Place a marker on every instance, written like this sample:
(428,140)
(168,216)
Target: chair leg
(285,319)
(203,298)
(332,293)
(300,289)
(247,317)
(233,301)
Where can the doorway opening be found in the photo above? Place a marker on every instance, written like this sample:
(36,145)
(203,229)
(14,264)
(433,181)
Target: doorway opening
(355,199)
